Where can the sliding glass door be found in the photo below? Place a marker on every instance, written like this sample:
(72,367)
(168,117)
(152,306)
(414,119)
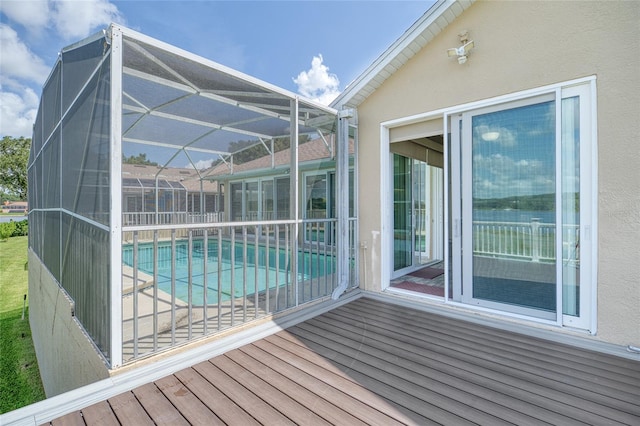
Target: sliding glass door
(521,201)
(509,201)
(417,211)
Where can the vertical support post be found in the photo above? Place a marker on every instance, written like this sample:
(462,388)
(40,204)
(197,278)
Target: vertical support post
(173,287)
(535,240)
(202,201)
(273,156)
(293,196)
(135,293)
(342,198)
(115,184)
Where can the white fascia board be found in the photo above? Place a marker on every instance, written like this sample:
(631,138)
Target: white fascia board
(209,63)
(429,22)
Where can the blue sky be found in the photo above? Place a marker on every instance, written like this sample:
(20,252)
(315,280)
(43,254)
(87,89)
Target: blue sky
(314,48)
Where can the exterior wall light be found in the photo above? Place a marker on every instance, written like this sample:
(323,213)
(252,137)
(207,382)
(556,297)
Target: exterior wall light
(463,50)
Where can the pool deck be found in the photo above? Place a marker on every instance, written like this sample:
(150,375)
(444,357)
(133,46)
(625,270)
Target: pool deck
(373,361)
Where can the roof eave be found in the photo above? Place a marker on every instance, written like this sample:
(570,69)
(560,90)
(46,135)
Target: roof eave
(434,20)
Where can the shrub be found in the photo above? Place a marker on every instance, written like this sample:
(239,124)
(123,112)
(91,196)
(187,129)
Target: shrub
(22,228)
(7,229)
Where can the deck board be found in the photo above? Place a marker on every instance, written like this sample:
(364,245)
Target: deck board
(288,406)
(226,409)
(316,365)
(524,348)
(256,407)
(191,408)
(405,386)
(310,400)
(445,382)
(372,362)
(100,414)
(71,419)
(459,374)
(158,406)
(485,354)
(128,410)
(412,407)
(347,397)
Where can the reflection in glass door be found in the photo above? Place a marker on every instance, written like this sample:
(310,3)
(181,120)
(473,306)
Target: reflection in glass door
(402,213)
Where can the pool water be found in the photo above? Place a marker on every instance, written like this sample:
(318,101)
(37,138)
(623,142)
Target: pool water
(261,271)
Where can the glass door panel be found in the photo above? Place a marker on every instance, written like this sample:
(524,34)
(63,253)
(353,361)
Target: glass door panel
(267,200)
(252,202)
(420,210)
(571,206)
(283,198)
(510,210)
(236,201)
(402,213)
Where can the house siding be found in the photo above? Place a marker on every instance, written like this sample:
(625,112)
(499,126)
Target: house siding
(520,46)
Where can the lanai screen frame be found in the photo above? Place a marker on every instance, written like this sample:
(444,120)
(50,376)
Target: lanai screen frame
(277,113)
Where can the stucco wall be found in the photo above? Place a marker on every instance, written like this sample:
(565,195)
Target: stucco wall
(519,46)
(57,336)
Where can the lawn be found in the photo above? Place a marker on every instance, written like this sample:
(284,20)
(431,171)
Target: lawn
(20,383)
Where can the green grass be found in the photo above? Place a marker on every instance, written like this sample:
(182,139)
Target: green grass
(20,383)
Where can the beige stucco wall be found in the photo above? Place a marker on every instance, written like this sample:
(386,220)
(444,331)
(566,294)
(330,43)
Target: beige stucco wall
(57,336)
(519,46)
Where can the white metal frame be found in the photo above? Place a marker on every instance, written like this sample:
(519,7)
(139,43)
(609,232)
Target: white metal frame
(115,217)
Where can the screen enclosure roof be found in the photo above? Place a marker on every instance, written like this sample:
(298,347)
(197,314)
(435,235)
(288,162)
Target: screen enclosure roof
(176,101)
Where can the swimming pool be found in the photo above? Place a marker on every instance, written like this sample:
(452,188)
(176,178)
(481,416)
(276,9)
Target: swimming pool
(261,270)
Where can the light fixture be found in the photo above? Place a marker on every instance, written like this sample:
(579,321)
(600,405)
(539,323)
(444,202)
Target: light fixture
(462,51)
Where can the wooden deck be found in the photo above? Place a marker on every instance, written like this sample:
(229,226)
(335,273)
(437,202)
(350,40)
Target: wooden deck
(370,362)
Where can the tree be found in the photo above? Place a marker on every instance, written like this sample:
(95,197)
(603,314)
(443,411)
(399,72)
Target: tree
(14,155)
(138,159)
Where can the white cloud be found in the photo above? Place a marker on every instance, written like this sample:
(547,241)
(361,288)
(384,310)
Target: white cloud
(499,135)
(200,165)
(32,15)
(71,19)
(75,19)
(318,83)
(497,176)
(22,72)
(17,61)
(18,112)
